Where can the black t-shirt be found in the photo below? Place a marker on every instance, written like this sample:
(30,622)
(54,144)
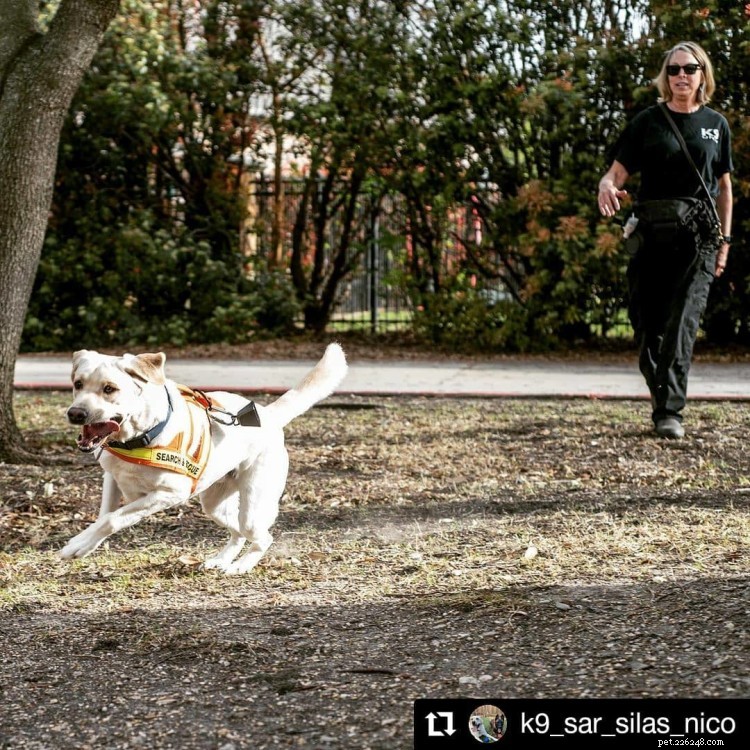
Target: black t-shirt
(649,146)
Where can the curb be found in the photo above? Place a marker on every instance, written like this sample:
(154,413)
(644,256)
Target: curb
(487,395)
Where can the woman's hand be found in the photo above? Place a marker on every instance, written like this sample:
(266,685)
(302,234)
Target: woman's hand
(609,198)
(721,259)
(609,194)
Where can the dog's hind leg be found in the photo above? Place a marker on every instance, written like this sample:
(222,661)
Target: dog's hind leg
(228,553)
(260,492)
(221,503)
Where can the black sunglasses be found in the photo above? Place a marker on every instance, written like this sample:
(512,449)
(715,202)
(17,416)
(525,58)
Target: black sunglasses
(690,69)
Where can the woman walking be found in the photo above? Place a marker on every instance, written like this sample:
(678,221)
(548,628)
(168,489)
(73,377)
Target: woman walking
(680,238)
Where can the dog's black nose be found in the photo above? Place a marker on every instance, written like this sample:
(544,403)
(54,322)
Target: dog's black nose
(76,415)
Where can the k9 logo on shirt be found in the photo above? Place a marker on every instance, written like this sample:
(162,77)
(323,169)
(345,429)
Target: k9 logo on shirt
(710,134)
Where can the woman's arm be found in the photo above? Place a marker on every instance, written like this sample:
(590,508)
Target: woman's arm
(724,207)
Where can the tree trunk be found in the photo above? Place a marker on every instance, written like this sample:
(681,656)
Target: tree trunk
(277,246)
(39,74)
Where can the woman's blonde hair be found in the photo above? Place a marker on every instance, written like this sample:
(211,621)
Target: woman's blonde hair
(708,85)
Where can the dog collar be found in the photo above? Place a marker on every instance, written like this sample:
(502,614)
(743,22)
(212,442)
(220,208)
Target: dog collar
(143,440)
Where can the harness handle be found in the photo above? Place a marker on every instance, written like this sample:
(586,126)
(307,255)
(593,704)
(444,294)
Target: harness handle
(247,416)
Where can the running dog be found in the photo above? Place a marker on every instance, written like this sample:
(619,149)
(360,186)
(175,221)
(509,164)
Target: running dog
(161,444)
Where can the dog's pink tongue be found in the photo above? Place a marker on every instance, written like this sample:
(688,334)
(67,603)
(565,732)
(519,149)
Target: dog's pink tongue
(93,434)
(99,430)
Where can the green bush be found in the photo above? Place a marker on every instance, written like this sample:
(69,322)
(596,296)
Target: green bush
(278,308)
(135,283)
(462,318)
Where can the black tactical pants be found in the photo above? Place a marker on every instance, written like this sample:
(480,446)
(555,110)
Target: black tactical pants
(668,284)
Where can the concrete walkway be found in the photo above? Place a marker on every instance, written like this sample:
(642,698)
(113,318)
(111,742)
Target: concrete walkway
(519,377)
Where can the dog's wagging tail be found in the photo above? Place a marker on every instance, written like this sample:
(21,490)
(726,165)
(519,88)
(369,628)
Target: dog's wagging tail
(160,446)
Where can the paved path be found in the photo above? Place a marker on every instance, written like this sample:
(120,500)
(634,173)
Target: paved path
(518,377)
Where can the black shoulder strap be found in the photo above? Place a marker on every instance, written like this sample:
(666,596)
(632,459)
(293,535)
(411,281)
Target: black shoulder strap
(684,148)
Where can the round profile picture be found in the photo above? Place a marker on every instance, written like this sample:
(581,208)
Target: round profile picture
(487,724)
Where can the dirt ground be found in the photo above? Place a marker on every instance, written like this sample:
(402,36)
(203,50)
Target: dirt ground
(425,548)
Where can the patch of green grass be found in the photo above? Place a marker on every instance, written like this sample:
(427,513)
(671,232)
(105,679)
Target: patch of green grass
(41,415)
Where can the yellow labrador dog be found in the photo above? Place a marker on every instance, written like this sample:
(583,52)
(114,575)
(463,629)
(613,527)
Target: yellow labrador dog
(162,444)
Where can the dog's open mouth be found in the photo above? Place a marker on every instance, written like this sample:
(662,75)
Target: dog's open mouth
(93,435)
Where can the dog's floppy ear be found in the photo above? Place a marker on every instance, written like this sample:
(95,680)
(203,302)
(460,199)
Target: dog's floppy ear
(147,367)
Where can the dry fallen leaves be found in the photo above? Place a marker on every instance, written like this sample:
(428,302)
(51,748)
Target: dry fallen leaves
(417,532)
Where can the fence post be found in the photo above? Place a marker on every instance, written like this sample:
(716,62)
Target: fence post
(374,251)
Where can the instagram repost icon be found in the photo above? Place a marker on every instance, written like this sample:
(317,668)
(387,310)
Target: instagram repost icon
(487,724)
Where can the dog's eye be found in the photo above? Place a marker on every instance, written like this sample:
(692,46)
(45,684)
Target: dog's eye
(78,384)
(109,389)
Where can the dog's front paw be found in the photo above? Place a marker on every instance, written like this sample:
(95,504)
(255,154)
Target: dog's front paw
(81,545)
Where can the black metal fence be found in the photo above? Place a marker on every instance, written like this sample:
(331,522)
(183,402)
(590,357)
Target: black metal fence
(373,296)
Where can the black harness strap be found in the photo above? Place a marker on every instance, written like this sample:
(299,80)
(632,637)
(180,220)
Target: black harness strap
(143,440)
